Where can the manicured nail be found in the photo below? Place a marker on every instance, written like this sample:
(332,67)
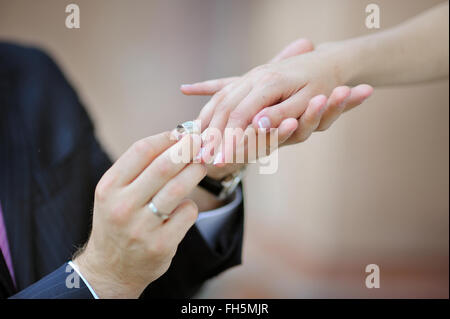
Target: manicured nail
(218,159)
(184,86)
(264,122)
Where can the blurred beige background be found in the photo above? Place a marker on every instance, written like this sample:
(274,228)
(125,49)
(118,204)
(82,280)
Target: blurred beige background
(372,189)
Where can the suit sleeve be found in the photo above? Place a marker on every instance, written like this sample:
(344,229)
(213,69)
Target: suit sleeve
(63,283)
(196,260)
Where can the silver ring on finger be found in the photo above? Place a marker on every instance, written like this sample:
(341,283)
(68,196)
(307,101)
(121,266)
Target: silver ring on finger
(156,212)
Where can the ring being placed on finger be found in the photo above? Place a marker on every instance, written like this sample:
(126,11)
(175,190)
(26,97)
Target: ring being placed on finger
(155,211)
(189,127)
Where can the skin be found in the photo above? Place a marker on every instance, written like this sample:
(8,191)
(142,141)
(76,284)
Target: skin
(296,84)
(129,246)
(290,130)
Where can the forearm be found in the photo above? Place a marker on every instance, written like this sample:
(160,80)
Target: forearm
(414,51)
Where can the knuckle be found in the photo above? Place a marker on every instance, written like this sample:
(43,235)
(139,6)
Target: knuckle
(191,211)
(222,108)
(101,191)
(228,88)
(237,117)
(103,187)
(176,190)
(220,96)
(226,82)
(312,120)
(270,78)
(221,83)
(280,112)
(163,168)
(120,213)
(198,171)
(260,68)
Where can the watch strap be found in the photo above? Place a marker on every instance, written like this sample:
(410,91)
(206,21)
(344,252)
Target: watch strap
(211,185)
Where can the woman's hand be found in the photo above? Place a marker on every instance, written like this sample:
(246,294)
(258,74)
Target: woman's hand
(320,110)
(130,246)
(211,87)
(293,87)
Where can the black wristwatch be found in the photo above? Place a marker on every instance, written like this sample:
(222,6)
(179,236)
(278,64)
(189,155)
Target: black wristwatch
(223,188)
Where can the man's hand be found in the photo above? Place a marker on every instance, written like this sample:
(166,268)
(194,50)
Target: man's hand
(130,246)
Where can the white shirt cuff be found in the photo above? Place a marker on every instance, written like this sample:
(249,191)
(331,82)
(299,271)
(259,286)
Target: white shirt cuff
(210,222)
(75,267)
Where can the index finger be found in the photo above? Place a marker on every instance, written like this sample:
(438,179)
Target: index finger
(207,87)
(138,157)
(164,168)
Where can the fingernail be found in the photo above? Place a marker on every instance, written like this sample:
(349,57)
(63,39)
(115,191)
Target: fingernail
(185,86)
(218,159)
(264,122)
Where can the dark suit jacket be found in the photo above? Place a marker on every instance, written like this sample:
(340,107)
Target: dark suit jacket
(50,162)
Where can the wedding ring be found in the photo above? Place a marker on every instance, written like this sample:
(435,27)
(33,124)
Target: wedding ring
(155,211)
(189,127)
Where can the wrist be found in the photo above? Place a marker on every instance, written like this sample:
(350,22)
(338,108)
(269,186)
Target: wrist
(206,200)
(104,281)
(345,60)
